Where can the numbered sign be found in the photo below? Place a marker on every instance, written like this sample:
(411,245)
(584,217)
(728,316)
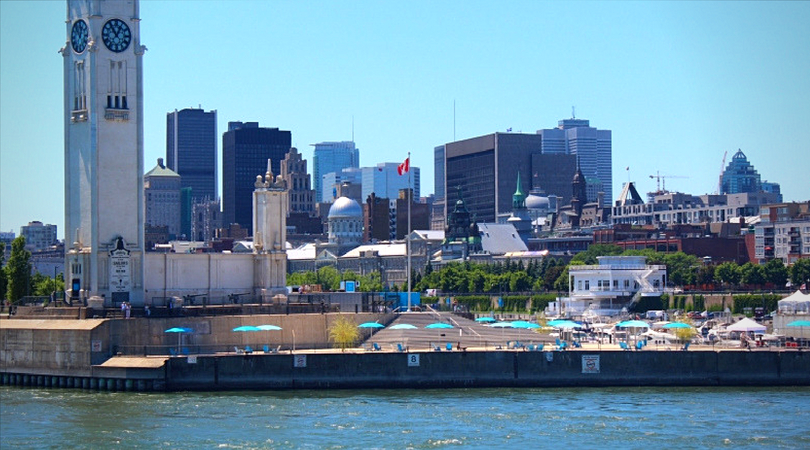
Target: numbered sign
(413,360)
(300,361)
(590,363)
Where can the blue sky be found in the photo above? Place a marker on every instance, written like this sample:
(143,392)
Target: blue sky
(678,83)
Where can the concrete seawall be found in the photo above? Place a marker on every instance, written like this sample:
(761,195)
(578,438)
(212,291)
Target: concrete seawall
(489,369)
(321,370)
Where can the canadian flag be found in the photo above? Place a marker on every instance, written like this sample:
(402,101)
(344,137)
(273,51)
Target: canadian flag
(405,166)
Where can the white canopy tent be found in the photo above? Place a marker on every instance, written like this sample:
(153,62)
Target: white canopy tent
(796,303)
(746,324)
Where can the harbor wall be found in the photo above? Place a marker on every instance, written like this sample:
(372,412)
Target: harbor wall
(72,347)
(455,369)
(490,369)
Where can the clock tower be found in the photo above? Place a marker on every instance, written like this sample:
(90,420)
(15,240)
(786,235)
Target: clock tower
(103,87)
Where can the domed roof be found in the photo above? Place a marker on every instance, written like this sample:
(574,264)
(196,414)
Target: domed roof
(536,202)
(345,207)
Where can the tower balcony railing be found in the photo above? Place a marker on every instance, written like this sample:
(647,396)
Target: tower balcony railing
(116,114)
(78,115)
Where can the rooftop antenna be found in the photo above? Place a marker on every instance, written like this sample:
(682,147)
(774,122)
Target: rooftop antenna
(573,112)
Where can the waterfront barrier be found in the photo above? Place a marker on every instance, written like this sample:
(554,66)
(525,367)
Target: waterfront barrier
(390,370)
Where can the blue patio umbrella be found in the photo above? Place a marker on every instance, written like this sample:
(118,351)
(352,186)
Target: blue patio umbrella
(269,328)
(564,324)
(485,319)
(633,324)
(800,324)
(677,325)
(524,324)
(402,326)
(247,328)
(553,323)
(501,325)
(371,326)
(180,331)
(440,325)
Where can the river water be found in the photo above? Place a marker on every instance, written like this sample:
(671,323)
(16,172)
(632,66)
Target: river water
(630,418)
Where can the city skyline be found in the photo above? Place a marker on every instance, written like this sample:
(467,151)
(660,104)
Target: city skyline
(678,84)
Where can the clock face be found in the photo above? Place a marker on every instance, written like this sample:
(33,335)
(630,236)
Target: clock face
(78,36)
(116,35)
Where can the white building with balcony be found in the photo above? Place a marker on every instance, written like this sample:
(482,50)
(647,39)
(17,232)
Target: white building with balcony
(609,288)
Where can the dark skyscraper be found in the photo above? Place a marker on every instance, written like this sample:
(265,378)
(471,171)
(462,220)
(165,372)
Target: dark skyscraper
(191,150)
(245,150)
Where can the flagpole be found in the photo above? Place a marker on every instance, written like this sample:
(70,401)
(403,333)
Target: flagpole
(408,232)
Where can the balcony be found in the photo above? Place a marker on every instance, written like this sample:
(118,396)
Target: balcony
(118,115)
(78,115)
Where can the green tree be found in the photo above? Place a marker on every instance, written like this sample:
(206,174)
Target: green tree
(18,270)
(519,281)
(776,272)
(552,274)
(344,333)
(705,275)
(3,282)
(800,272)
(752,274)
(680,267)
(728,272)
(329,278)
(45,286)
(561,283)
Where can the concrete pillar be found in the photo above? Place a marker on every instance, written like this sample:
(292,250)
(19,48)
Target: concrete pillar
(93,383)
(40,380)
(140,385)
(119,384)
(110,384)
(85,383)
(128,385)
(62,382)
(69,382)
(26,380)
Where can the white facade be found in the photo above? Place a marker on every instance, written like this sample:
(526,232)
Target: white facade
(38,236)
(385,182)
(103,104)
(161,187)
(607,288)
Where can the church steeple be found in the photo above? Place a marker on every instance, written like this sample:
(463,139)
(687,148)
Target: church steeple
(518,198)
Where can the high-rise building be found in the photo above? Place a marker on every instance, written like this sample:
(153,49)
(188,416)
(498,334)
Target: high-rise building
(38,236)
(330,183)
(161,192)
(483,170)
(191,150)
(740,176)
(103,107)
(331,157)
(438,173)
(246,148)
(593,147)
(385,181)
(294,173)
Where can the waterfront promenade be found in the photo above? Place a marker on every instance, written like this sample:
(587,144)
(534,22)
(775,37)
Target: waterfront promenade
(80,354)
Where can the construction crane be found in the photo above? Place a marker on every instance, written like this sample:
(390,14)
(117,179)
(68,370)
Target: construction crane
(720,178)
(661,180)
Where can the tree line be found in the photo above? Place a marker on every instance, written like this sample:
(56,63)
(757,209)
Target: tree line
(16,280)
(551,274)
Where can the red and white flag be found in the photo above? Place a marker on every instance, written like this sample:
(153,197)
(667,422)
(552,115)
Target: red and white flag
(405,166)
